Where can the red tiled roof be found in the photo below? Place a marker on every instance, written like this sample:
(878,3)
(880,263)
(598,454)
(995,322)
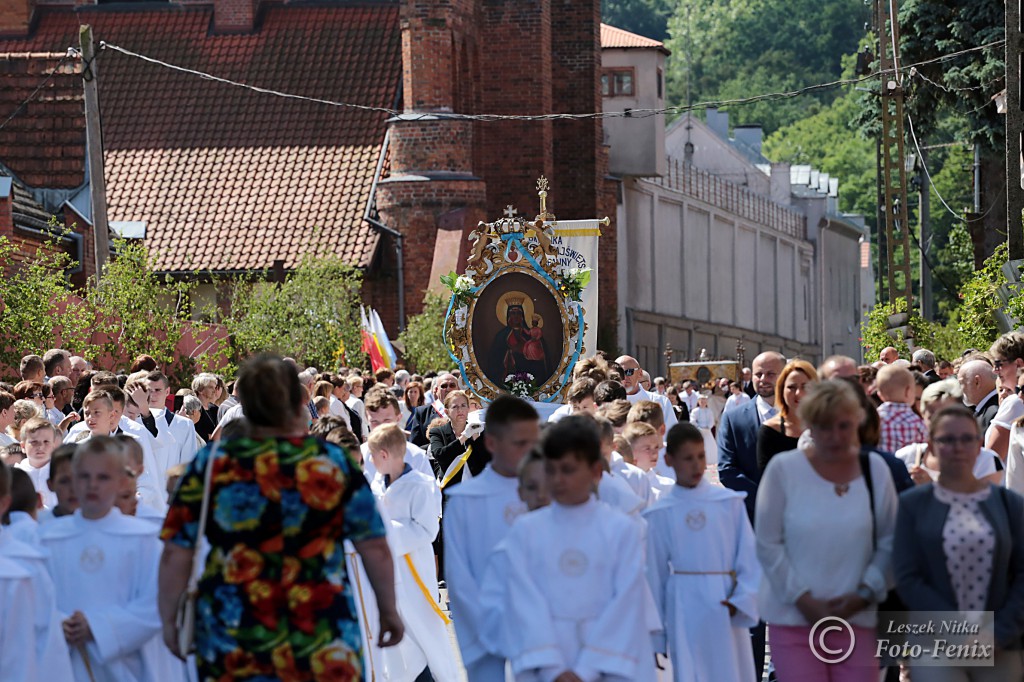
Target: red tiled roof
(612,37)
(44,144)
(227,178)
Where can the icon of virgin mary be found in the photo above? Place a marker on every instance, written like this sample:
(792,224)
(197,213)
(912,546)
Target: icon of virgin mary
(520,345)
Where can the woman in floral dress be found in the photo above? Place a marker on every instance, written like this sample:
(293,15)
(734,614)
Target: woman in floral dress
(274,600)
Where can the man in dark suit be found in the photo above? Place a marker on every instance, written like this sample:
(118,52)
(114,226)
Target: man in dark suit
(737,453)
(926,359)
(748,383)
(422,416)
(978,381)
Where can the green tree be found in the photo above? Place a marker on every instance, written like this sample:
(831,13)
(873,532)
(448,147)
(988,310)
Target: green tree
(136,311)
(423,337)
(723,50)
(310,316)
(38,305)
(648,18)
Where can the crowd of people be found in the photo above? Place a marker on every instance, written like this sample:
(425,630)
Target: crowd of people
(335,525)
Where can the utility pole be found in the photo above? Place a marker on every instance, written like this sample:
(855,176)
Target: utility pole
(94,150)
(1014,129)
(894,170)
(924,214)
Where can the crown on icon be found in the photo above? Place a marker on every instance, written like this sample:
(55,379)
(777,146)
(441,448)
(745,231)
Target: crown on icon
(514,300)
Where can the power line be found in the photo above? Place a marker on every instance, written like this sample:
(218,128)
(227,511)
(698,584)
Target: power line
(42,84)
(632,113)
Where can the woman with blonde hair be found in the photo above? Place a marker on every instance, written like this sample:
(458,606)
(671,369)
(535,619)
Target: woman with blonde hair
(781,432)
(826,514)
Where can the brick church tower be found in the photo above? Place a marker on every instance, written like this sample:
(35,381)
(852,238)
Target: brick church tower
(494,57)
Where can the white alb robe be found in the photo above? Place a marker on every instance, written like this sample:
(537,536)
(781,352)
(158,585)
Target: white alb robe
(576,597)
(411,508)
(53,661)
(150,484)
(39,477)
(415,457)
(634,476)
(694,536)
(107,569)
(478,515)
(16,597)
(616,493)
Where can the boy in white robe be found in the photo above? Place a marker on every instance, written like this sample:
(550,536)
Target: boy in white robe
(645,442)
(23,509)
(702,568)
(575,599)
(613,489)
(381,409)
(30,622)
(410,503)
(61,484)
(39,437)
(104,569)
(478,515)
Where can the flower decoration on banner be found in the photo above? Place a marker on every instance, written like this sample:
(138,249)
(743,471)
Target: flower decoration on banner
(461,287)
(573,282)
(521,385)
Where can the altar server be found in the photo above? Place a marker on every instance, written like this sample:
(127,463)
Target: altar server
(410,503)
(702,568)
(30,622)
(477,517)
(576,596)
(104,569)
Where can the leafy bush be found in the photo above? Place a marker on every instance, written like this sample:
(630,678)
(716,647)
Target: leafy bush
(423,338)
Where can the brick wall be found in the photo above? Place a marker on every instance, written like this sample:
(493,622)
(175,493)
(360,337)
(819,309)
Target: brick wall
(234,16)
(15,17)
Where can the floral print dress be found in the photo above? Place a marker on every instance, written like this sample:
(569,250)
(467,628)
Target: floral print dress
(274,600)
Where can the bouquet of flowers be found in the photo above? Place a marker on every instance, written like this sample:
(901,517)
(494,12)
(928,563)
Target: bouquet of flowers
(574,281)
(520,385)
(461,287)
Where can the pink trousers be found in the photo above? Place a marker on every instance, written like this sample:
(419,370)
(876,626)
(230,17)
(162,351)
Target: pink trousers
(795,661)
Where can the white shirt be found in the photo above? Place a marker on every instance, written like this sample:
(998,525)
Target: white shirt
(6,440)
(357,406)
(689,399)
(735,400)
(414,457)
(560,413)
(666,407)
(811,538)
(1010,410)
(55,416)
(765,409)
(39,477)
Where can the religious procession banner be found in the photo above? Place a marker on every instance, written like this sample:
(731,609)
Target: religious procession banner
(516,320)
(576,242)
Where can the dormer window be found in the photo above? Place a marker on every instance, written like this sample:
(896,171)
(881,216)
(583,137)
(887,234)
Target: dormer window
(618,82)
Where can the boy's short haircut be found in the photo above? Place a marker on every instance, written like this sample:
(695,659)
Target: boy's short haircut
(532,457)
(323,426)
(892,379)
(648,412)
(388,437)
(623,447)
(609,391)
(132,449)
(576,436)
(38,424)
(98,397)
(615,412)
(504,411)
(59,457)
(320,403)
(31,364)
(117,397)
(581,389)
(343,437)
(637,430)
(24,497)
(103,379)
(377,400)
(101,445)
(383,374)
(605,428)
(682,432)
(6,400)
(157,375)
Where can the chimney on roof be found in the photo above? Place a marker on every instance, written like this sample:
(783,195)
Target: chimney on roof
(718,121)
(15,17)
(750,136)
(234,16)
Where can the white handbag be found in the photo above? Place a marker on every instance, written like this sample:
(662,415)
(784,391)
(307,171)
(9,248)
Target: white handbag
(186,618)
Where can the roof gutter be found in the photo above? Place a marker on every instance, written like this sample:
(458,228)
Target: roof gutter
(370,217)
(74,238)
